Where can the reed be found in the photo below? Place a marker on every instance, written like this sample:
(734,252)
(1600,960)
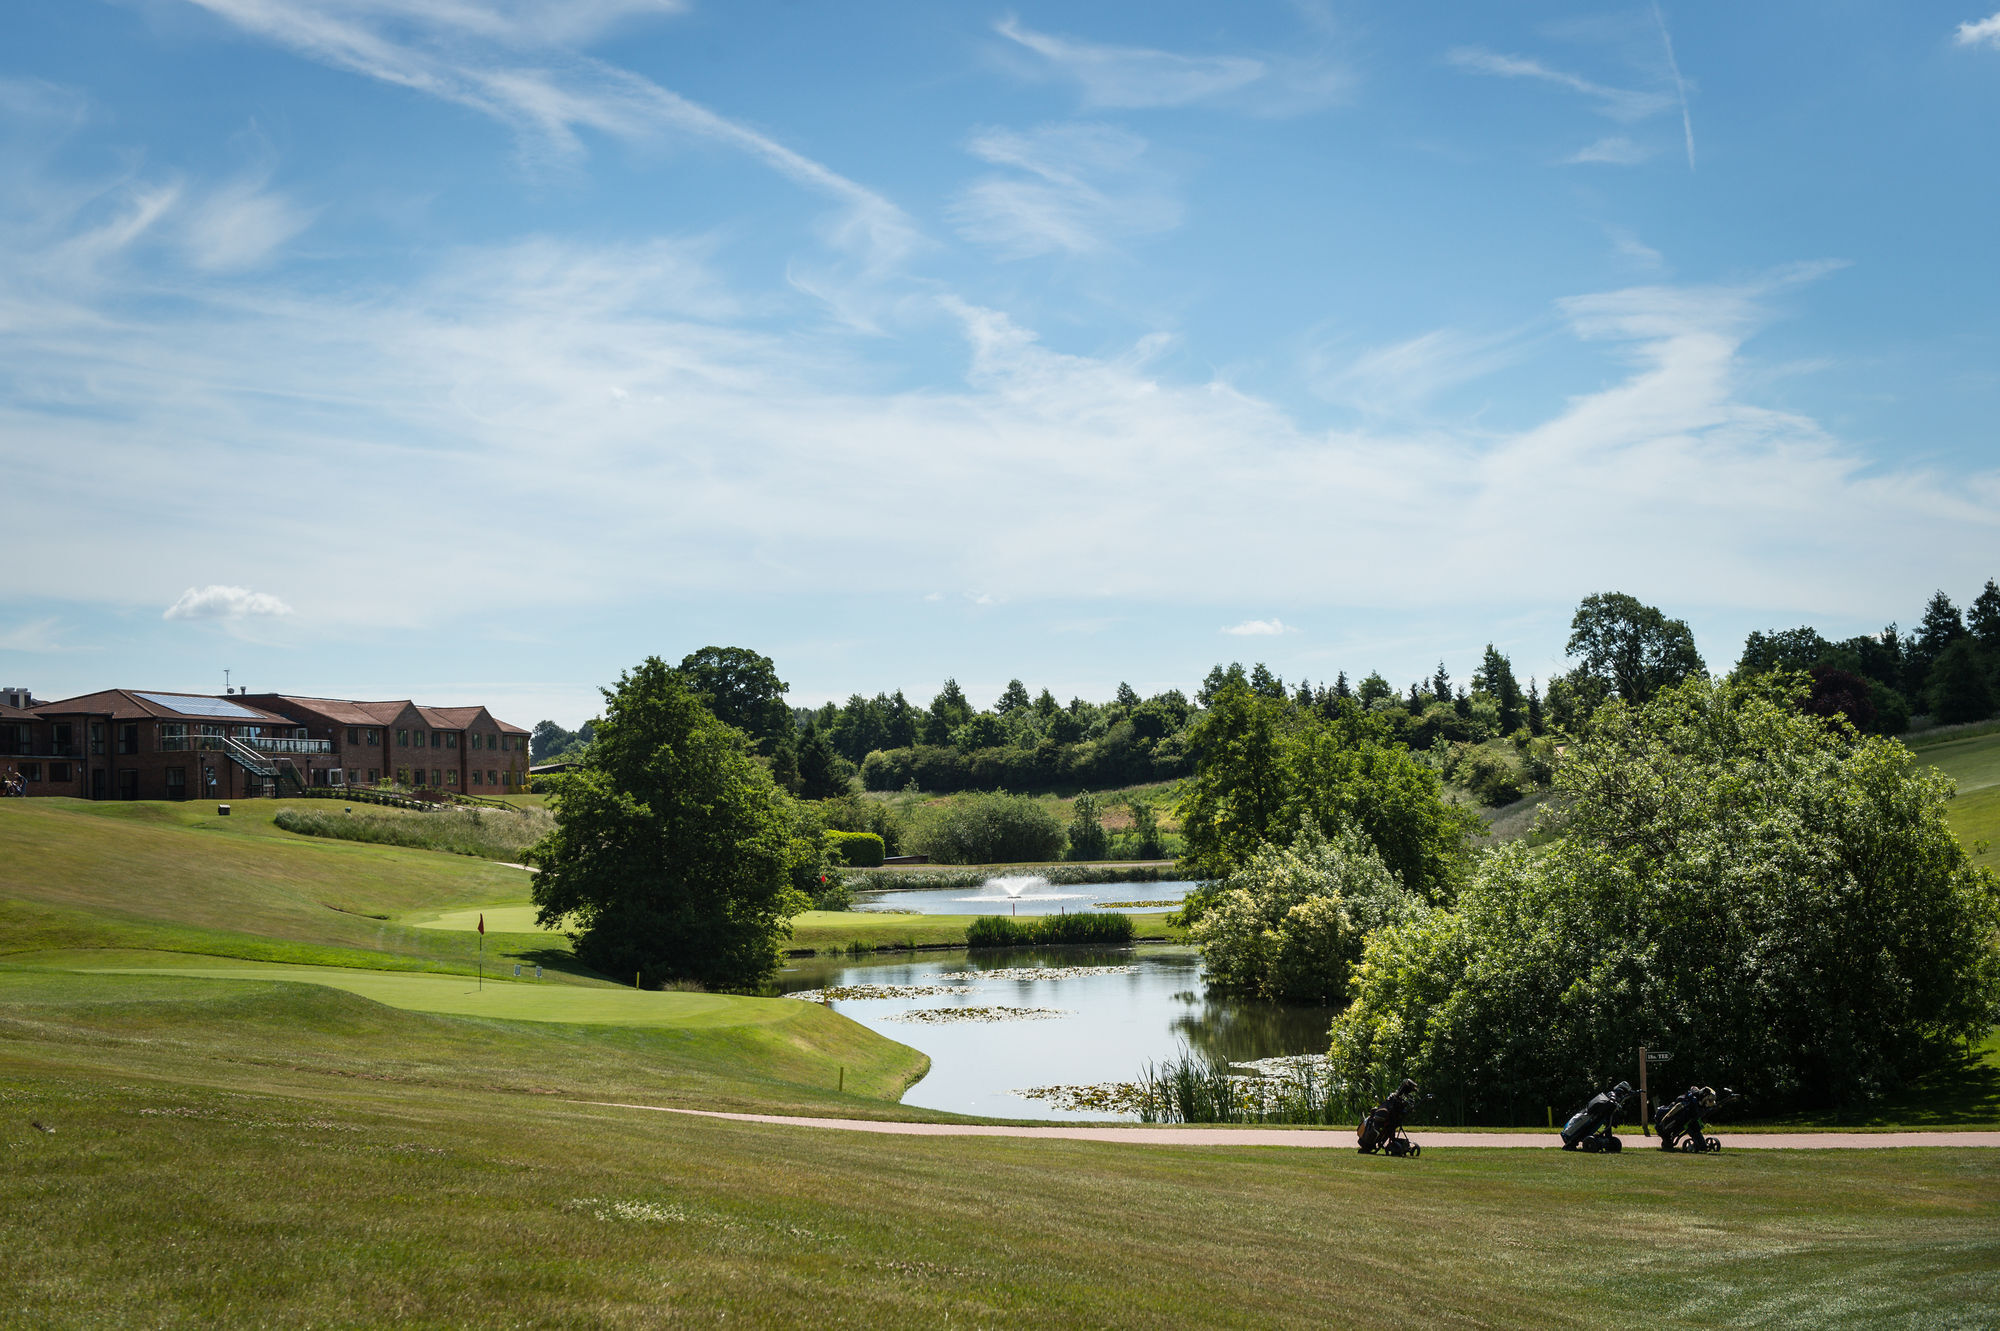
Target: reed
(483,833)
(1041,930)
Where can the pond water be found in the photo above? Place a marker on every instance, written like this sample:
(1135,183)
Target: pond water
(1082,1016)
(1025,894)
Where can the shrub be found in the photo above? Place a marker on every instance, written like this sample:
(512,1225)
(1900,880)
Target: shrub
(1106,929)
(1778,900)
(863,850)
(987,829)
(487,834)
(1289,925)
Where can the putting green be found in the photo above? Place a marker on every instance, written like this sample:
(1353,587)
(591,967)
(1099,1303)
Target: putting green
(511,919)
(460,996)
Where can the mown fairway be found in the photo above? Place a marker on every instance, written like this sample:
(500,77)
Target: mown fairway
(388,1143)
(260,1154)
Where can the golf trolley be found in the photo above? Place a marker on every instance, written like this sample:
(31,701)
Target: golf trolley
(1591,1127)
(1382,1127)
(1680,1122)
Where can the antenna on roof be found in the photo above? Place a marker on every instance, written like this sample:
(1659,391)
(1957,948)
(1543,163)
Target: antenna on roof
(225,681)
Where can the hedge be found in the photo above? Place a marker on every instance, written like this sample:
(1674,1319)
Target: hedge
(862,850)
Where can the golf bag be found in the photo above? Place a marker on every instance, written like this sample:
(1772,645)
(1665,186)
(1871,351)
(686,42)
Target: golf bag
(1680,1122)
(1590,1128)
(1382,1127)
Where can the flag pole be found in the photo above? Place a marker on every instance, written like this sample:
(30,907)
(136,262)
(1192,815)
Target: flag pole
(482,951)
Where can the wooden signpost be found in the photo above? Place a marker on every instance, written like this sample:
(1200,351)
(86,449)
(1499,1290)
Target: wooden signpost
(1646,1104)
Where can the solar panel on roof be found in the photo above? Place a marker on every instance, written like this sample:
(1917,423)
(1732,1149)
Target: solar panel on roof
(189,705)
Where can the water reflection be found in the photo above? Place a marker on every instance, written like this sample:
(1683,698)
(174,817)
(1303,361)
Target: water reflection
(1121,1009)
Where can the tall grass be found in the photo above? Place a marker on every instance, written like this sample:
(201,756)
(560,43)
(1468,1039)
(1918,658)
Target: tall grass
(1010,931)
(1202,1088)
(488,834)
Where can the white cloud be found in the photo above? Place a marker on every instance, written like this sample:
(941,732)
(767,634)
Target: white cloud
(1401,377)
(1140,78)
(471,54)
(1613,150)
(35,635)
(1618,103)
(216,601)
(1077,189)
(240,226)
(1980,32)
(1260,628)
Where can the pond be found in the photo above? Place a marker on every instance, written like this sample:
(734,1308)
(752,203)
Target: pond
(1005,1021)
(1027,894)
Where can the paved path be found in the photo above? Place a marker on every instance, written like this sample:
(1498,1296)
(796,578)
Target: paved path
(1324,1138)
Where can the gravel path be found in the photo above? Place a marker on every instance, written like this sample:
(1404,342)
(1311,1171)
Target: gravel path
(1326,1139)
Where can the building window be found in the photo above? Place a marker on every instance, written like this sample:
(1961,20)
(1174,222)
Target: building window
(492,778)
(59,772)
(97,737)
(173,737)
(402,739)
(474,739)
(402,776)
(177,783)
(416,738)
(374,775)
(353,735)
(476,774)
(437,738)
(371,739)
(128,739)
(450,777)
(31,771)
(451,740)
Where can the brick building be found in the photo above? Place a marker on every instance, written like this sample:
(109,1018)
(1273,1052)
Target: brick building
(139,744)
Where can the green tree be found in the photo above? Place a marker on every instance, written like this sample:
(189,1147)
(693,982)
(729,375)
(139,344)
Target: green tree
(1146,841)
(1374,689)
(1940,628)
(1536,723)
(1495,677)
(1782,649)
(741,689)
(1014,697)
(673,854)
(1288,926)
(1087,838)
(986,829)
(1959,690)
(823,774)
(1231,804)
(1629,648)
(1983,619)
(1777,899)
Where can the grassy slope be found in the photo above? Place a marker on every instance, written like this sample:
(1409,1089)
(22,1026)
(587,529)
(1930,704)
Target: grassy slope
(274,1154)
(1975,815)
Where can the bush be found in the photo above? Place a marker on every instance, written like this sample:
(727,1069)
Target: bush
(987,829)
(1289,925)
(863,850)
(1108,928)
(1778,900)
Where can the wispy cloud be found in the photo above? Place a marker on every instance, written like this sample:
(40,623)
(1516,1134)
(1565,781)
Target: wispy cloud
(1260,628)
(1613,150)
(1401,377)
(1680,84)
(1980,32)
(1076,188)
(241,226)
(1618,103)
(516,63)
(216,601)
(34,635)
(1138,77)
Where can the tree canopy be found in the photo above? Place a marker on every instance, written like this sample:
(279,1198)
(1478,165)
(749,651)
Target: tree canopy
(741,689)
(1630,648)
(673,854)
(1777,899)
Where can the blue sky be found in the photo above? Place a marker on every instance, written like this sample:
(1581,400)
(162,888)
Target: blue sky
(475,349)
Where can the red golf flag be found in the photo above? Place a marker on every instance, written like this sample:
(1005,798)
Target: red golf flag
(482,921)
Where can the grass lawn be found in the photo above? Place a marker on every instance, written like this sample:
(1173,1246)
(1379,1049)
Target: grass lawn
(270,1154)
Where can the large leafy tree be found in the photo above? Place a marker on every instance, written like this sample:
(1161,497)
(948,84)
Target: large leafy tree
(742,689)
(1959,690)
(673,854)
(1264,770)
(1777,899)
(1630,647)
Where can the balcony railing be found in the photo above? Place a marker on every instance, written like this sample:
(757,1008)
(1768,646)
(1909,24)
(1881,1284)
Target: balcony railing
(266,744)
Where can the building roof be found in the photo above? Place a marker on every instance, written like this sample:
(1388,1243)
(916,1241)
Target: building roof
(144,704)
(350,712)
(16,714)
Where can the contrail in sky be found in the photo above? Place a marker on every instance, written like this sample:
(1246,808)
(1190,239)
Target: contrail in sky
(1680,85)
